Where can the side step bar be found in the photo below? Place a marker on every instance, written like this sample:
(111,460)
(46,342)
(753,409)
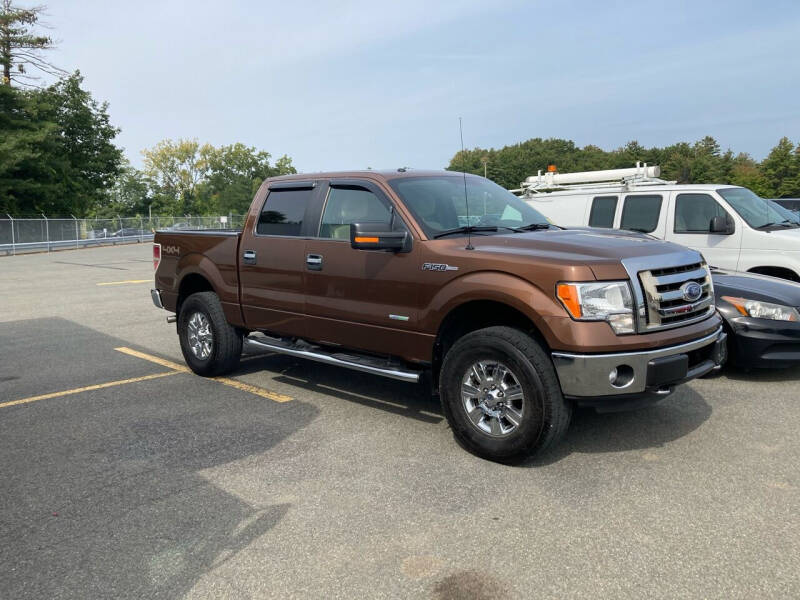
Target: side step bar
(365,364)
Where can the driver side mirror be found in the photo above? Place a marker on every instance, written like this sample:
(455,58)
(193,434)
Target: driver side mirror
(722,225)
(378,236)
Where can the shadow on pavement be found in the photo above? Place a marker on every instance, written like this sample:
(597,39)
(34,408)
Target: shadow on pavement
(590,432)
(738,374)
(652,427)
(406,399)
(102,492)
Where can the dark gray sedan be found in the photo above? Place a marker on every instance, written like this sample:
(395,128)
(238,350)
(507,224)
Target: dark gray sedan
(762,318)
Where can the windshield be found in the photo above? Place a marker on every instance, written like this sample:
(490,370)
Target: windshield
(787,214)
(438,204)
(757,212)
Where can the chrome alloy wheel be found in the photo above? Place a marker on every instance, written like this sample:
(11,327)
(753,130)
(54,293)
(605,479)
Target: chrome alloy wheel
(493,398)
(201,339)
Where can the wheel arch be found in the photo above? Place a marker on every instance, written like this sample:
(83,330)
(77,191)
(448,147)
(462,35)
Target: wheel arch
(474,314)
(191,283)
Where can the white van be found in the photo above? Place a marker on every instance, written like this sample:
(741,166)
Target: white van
(732,227)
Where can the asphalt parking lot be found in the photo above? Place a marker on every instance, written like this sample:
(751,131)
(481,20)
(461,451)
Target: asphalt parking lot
(124,476)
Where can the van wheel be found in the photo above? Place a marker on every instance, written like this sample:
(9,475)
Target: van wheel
(501,396)
(209,344)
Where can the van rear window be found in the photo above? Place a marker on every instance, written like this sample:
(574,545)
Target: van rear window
(603,210)
(641,213)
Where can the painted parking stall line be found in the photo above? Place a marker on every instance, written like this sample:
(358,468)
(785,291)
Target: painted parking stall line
(245,387)
(88,388)
(126,282)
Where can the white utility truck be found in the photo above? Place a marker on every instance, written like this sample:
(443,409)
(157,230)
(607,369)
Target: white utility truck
(733,227)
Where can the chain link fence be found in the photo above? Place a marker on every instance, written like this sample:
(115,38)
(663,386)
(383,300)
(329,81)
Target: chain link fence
(45,234)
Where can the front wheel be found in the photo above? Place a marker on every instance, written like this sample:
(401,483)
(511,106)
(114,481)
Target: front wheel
(501,395)
(210,345)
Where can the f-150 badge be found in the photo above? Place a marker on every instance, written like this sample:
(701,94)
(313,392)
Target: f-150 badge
(438,267)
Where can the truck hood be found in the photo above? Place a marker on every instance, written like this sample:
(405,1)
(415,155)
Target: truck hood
(601,250)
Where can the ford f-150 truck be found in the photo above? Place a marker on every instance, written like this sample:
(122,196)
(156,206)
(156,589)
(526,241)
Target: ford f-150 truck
(404,273)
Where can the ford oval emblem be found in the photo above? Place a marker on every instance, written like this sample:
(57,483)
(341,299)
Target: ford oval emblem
(691,291)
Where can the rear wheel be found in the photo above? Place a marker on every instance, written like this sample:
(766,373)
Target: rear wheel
(501,395)
(210,345)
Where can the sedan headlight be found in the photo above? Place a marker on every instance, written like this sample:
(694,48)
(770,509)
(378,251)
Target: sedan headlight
(758,309)
(609,301)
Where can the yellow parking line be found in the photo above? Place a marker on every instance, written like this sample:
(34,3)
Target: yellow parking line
(245,387)
(154,359)
(128,281)
(88,388)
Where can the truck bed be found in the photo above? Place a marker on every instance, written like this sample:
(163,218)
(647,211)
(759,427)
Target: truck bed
(209,253)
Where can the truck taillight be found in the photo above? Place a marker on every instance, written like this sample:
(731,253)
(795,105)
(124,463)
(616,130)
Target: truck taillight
(156,255)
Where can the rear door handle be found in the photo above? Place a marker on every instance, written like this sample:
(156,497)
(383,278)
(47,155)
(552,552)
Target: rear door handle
(314,262)
(249,257)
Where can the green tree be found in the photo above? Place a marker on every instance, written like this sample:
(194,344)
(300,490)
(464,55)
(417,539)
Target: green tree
(176,169)
(745,171)
(59,143)
(129,196)
(781,168)
(21,47)
(235,173)
(24,176)
(84,159)
(700,162)
(187,177)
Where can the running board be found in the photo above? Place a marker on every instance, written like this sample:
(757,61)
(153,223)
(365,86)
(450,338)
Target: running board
(365,364)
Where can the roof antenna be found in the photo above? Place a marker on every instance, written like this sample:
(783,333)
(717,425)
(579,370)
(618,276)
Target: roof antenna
(469,245)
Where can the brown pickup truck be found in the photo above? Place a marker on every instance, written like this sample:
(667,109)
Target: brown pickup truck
(404,273)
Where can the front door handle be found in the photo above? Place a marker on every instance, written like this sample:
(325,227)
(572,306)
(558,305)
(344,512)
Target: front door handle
(314,262)
(249,257)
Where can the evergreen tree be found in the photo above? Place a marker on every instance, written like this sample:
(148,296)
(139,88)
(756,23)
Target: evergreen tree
(21,47)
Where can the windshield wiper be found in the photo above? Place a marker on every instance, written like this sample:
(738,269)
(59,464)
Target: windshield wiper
(784,223)
(465,229)
(535,227)
(637,229)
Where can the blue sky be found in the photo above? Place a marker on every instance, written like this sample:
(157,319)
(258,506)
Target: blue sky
(355,84)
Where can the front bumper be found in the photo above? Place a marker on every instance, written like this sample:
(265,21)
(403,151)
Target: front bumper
(648,375)
(764,343)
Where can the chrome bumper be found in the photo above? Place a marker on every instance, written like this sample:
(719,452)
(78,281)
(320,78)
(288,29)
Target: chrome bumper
(588,375)
(156,296)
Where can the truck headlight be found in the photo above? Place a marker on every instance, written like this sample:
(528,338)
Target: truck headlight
(609,301)
(759,309)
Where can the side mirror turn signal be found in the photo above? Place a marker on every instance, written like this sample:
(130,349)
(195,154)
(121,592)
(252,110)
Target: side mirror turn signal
(377,236)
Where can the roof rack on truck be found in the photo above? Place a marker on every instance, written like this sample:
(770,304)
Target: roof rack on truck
(640,175)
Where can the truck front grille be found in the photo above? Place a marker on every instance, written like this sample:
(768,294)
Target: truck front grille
(666,298)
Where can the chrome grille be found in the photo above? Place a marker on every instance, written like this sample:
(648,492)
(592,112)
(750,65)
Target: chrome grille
(666,303)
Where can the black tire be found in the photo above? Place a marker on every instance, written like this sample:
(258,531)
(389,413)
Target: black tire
(546,415)
(226,345)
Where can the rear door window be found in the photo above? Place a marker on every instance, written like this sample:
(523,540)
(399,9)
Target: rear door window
(693,213)
(284,211)
(641,213)
(603,210)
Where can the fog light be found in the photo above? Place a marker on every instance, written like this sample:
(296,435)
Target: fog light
(621,376)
